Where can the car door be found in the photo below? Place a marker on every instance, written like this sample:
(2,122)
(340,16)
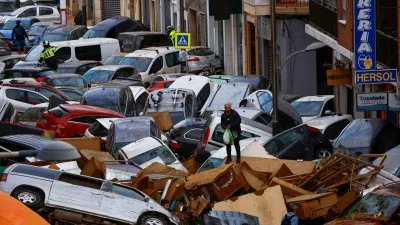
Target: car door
(30,12)
(289,144)
(122,202)
(77,192)
(141,103)
(156,69)
(172,62)
(79,124)
(23,99)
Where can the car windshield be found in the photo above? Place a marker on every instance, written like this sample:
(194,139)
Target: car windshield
(32,114)
(108,100)
(94,34)
(141,63)
(234,93)
(113,60)
(211,163)
(17,11)
(356,137)
(375,205)
(160,152)
(97,76)
(37,30)
(308,108)
(69,81)
(55,37)
(7,7)
(34,53)
(11,24)
(73,95)
(66,69)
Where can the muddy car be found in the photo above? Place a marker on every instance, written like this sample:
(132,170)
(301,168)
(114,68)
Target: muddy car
(382,206)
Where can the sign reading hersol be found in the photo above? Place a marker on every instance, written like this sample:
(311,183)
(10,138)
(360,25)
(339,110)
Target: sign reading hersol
(376,76)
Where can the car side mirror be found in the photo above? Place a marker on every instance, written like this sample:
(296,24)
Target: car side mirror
(328,113)
(141,114)
(89,85)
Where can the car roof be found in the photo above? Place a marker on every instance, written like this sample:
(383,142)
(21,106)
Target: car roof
(152,52)
(89,109)
(64,75)
(140,146)
(143,33)
(109,23)
(65,29)
(196,83)
(35,141)
(111,67)
(29,69)
(76,64)
(44,24)
(322,122)
(316,98)
(90,41)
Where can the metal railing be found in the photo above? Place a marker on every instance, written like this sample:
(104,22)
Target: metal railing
(258,2)
(324,17)
(292,3)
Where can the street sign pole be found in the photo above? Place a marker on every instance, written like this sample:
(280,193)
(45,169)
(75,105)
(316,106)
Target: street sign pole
(183,41)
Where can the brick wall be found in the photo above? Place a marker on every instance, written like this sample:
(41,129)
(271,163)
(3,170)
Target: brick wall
(345,32)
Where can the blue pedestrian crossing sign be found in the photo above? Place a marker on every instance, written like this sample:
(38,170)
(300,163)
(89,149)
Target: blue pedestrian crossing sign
(182,40)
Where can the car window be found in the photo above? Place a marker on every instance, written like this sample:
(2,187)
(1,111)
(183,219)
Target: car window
(333,131)
(157,65)
(160,78)
(262,119)
(126,192)
(153,129)
(265,101)
(166,85)
(28,13)
(141,102)
(84,119)
(91,52)
(188,106)
(63,53)
(49,93)
(74,36)
(172,59)
(80,181)
(194,134)
(35,99)
(203,96)
(73,95)
(329,105)
(45,11)
(28,88)
(219,133)
(14,94)
(283,140)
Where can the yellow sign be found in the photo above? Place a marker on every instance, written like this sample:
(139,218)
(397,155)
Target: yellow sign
(182,40)
(337,77)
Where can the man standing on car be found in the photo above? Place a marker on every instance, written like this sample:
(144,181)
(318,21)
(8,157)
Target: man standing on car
(20,35)
(230,119)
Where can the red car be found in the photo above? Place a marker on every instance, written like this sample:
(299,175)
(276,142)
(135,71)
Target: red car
(43,89)
(160,85)
(71,120)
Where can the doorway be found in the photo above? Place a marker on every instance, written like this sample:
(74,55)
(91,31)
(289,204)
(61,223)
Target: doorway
(152,16)
(251,48)
(193,26)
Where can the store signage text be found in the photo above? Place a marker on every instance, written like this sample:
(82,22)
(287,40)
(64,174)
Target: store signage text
(376,76)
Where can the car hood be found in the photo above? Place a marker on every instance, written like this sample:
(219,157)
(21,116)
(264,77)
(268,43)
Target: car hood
(26,64)
(6,17)
(4,14)
(307,118)
(6,33)
(344,221)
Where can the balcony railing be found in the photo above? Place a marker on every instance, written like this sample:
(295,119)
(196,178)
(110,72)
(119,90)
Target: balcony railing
(258,2)
(291,3)
(283,7)
(387,50)
(324,17)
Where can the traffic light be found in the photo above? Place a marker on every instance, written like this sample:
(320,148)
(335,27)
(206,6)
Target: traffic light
(221,9)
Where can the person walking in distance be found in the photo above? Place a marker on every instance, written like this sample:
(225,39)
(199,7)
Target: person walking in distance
(230,119)
(20,35)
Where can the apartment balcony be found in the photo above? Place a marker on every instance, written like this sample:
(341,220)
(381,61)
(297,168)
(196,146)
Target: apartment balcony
(282,7)
(323,16)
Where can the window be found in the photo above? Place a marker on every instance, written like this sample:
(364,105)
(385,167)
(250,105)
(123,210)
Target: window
(64,53)
(36,171)
(194,134)
(127,73)
(80,181)
(81,70)
(172,59)
(74,36)
(166,85)
(8,113)
(283,140)
(203,96)
(28,13)
(219,133)
(265,101)
(84,119)
(127,192)
(343,9)
(157,65)
(14,94)
(160,78)
(141,102)
(154,129)
(264,119)
(333,131)
(188,106)
(49,93)
(35,99)
(329,105)
(73,95)
(45,11)
(92,52)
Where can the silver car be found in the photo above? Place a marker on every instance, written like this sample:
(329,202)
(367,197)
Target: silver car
(43,13)
(76,198)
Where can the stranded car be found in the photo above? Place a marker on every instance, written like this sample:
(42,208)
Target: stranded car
(80,67)
(72,120)
(310,107)
(104,74)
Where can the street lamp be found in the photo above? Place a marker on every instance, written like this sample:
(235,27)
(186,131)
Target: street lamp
(275,122)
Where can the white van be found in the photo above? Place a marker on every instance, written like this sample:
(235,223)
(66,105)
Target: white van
(153,61)
(96,49)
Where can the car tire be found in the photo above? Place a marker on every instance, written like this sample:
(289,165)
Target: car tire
(30,197)
(322,153)
(152,219)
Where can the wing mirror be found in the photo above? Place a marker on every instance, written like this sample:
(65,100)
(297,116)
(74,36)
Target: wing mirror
(141,114)
(328,113)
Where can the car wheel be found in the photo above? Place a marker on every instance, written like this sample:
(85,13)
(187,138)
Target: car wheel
(323,153)
(152,219)
(29,196)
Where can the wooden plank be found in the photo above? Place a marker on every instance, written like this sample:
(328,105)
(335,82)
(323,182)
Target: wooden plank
(258,204)
(90,143)
(271,165)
